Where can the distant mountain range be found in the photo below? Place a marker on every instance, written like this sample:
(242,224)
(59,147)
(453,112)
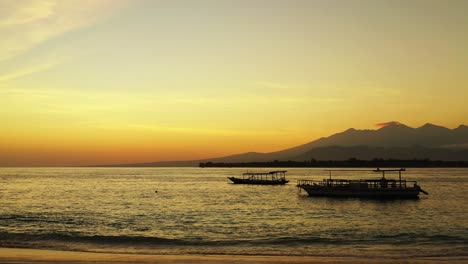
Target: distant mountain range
(392,140)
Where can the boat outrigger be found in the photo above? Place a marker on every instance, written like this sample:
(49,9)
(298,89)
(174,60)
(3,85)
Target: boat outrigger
(369,188)
(263,178)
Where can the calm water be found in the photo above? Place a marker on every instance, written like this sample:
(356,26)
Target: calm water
(196,211)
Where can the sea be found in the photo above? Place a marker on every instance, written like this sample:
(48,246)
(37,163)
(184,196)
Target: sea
(197,211)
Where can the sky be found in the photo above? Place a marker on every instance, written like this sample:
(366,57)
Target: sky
(125,81)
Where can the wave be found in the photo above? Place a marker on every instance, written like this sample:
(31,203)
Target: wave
(11,238)
(411,238)
(21,218)
(87,239)
(452,246)
(38,219)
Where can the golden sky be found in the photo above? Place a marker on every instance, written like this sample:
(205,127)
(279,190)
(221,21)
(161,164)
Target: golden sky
(121,81)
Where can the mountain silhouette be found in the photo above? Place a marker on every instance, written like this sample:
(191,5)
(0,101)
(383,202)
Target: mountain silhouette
(391,140)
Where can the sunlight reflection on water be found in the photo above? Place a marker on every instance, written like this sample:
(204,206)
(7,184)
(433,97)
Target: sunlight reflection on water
(196,210)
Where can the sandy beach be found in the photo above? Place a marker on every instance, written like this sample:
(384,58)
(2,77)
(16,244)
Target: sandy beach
(17,255)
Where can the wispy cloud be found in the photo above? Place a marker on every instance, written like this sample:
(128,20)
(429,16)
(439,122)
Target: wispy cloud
(292,93)
(388,124)
(190,130)
(29,70)
(185,130)
(372,91)
(25,24)
(271,85)
(24,12)
(385,92)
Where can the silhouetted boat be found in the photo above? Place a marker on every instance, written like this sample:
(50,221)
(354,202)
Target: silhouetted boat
(370,188)
(265,178)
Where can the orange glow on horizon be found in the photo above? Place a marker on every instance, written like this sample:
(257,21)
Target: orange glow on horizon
(107,82)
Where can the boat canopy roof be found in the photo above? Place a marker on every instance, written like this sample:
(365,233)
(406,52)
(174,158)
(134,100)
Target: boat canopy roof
(376,170)
(361,180)
(264,173)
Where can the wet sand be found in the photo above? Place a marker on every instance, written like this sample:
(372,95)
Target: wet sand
(16,255)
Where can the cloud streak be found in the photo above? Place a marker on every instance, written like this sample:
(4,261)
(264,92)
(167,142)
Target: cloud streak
(25,24)
(387,124)
(27,71)
(276,86)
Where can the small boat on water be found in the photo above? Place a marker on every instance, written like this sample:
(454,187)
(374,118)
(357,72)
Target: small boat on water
(368,188)
(262,178)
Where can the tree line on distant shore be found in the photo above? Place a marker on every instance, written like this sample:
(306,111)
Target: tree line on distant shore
(350,163)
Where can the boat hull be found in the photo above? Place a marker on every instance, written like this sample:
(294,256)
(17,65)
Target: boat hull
(258,182)
(408,193)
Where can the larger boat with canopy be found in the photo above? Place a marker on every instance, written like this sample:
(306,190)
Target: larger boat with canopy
(370,188)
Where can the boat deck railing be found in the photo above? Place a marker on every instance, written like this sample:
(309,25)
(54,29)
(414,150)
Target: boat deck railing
(370,184)
(261,176)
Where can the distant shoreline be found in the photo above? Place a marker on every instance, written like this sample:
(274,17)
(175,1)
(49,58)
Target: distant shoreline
(350,163)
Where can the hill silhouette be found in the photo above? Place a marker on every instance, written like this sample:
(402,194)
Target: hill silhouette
(392,140)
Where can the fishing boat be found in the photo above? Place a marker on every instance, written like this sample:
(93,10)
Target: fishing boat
(262,178)
(369,188)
